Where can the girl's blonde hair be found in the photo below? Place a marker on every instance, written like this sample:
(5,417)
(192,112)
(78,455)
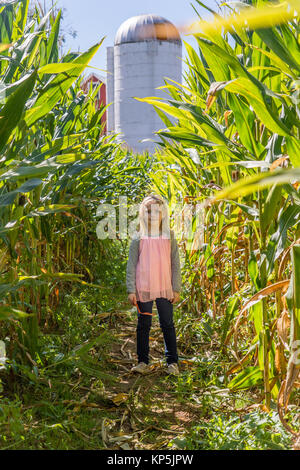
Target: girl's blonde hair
(143,216)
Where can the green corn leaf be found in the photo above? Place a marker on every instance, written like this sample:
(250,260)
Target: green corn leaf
(249,377)
(257,98)
(52,45)
(293,148)
(287,218)
(8,313)
(8,198)
(245,123)
(293,296)
(12,111)
(21,19)
(276,44)
(50,209)
(270,208)
(293,301)
(251,184)
(58,86)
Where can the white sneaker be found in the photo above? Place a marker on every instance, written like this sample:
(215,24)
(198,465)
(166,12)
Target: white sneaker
(173,369)
(142,368)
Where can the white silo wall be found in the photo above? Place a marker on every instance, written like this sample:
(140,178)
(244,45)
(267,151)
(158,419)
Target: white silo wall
(139,68)
(110,89)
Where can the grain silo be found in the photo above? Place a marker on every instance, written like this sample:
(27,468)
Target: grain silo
(138,63)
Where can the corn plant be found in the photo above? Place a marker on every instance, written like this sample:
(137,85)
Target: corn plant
(56,166)
(235,148)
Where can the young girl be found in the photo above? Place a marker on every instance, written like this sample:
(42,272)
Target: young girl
(153,273)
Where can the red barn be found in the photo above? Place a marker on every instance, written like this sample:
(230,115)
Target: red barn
(101,96)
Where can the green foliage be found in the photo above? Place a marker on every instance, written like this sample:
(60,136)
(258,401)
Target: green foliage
(236,117)
(57,165)
(254,431)
(237,122)
(38,411)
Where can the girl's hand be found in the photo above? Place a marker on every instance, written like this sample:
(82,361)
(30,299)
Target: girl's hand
(132,299)
(176,297)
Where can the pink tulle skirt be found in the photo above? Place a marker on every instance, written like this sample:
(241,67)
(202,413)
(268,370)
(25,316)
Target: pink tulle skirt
(153,270)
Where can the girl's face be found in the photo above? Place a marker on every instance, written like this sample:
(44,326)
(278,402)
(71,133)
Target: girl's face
(154,211)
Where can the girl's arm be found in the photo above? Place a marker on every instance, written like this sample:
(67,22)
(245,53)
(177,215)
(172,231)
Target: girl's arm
(131,266)
(175,264)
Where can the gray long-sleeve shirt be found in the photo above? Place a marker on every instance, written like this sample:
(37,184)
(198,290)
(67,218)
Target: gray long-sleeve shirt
(133,257)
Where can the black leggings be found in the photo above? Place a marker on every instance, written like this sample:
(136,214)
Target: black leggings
(165,314)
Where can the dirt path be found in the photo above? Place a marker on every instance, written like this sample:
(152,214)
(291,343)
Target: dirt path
(150,408)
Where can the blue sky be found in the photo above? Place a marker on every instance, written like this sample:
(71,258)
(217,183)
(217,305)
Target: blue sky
(93,19)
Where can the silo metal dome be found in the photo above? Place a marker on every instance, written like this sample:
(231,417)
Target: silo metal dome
(142,28)
(147,49)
